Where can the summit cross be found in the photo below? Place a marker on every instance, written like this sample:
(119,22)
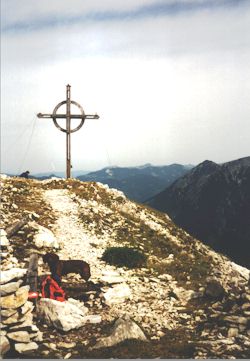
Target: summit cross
(68,116)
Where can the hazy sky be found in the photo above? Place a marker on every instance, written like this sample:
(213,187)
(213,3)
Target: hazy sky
(170,80)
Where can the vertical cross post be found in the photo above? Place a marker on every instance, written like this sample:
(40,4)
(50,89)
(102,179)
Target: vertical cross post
(68,140)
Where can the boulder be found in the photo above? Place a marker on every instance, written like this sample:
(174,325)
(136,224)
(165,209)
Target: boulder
(117,294)
(19,336)
(64,316)
(17,299)
(7,276)
(26,348)
(45,238)
(11,287)
(4,345)
(124,329)
(214,289)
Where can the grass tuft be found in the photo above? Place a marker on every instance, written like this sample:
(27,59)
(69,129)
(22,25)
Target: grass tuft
(124,257)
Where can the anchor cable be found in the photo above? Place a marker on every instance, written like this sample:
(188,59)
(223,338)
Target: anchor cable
(106,151)
(20,136)
(28,145)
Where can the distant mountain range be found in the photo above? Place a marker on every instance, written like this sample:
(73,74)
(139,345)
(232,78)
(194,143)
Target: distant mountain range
(212,202)
(46,175)
(138,183)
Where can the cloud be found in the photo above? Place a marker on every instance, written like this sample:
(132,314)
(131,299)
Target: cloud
(202,34)
(46,14)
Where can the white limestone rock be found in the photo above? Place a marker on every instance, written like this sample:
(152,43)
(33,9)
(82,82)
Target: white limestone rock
(15,300)
(19,336)
(64,316)
(117,294)
(45,238)
(2,232)
(124,329)
(8,288)
(26,348)
(18,320)
(27,307)
(27,323)
(8,313)
(78,304)
(12,319)
(4,242)
(7,276)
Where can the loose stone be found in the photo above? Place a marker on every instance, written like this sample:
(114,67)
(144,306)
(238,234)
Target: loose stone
(19,336)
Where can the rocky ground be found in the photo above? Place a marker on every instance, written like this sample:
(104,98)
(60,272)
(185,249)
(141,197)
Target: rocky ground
(189,301)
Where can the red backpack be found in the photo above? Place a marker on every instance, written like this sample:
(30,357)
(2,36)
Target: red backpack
(51,289)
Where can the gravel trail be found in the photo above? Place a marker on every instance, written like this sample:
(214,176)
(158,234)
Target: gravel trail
(76,242)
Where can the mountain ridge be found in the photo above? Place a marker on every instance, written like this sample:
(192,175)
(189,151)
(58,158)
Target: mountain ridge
(212,202)
(138,183)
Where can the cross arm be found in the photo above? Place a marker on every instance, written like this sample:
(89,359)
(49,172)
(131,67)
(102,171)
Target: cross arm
(72,116)
(89,116)
(40,115)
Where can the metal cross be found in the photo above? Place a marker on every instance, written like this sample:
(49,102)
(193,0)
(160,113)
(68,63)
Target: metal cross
(68,116)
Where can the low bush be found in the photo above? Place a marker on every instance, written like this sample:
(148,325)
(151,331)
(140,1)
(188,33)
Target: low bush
(124,257)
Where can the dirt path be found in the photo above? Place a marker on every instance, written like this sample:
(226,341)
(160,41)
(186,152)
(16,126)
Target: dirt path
(76,242)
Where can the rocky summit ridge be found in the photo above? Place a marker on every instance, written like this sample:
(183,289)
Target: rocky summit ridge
(188,300)
(212,202)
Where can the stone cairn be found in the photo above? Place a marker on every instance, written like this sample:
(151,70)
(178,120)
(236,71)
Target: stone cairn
(18,333)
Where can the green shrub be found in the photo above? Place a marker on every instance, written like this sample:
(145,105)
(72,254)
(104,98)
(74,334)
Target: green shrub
(124,257)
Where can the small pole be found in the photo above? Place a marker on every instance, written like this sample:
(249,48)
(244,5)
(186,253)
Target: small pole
(31,277)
